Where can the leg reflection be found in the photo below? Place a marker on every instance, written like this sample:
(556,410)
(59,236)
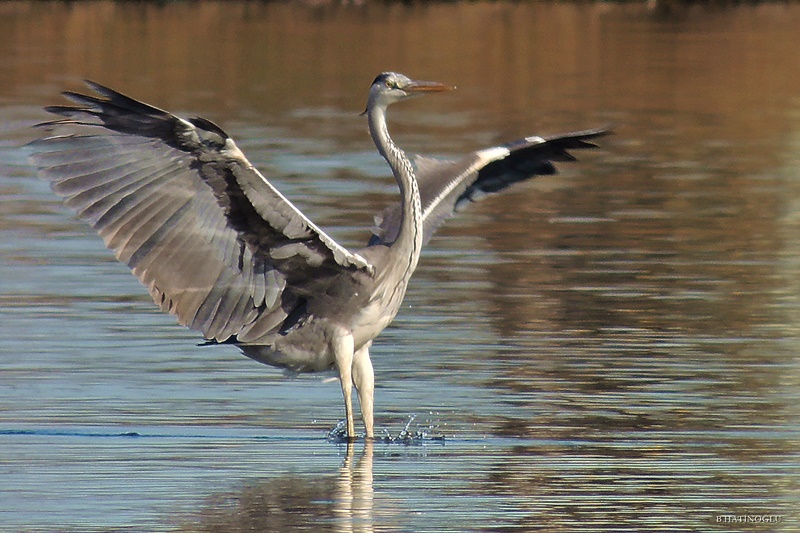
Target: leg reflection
(341,500)
(353,504)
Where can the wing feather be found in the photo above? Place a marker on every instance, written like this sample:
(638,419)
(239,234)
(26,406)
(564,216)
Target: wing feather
(213,241)
(447,185)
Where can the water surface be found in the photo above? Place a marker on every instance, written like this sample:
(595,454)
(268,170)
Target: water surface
(613,348)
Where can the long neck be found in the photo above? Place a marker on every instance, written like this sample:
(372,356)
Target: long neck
(409,241)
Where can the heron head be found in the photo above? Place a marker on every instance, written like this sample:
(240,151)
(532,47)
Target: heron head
(391,87)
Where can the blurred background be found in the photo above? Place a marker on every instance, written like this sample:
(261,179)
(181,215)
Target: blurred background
(613,348)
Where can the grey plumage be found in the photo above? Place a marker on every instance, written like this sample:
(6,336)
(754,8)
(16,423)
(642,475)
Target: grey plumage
(475,176)
(224,251)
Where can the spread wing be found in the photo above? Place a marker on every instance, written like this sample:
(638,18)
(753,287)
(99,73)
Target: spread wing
(212,240)
(446,186)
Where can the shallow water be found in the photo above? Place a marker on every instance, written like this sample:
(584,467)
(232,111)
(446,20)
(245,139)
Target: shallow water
(613,348)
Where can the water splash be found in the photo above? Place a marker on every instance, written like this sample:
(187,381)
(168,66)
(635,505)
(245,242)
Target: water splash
(408,436)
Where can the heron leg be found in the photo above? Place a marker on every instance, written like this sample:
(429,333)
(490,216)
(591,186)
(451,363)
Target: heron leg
(343,347)
(364,380)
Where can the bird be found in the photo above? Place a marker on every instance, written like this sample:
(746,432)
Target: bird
(218,246)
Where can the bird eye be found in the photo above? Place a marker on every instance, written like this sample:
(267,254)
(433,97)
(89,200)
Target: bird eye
(391,84)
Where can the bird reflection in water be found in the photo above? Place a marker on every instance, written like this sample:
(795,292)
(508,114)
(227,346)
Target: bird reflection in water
(354,495)
(341,503)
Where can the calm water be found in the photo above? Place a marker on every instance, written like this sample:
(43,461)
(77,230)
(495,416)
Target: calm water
(612,349)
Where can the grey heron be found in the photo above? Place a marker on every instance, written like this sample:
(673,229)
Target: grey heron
(220,248)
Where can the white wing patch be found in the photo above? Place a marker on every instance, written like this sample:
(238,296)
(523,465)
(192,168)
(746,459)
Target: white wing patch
(482,158)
